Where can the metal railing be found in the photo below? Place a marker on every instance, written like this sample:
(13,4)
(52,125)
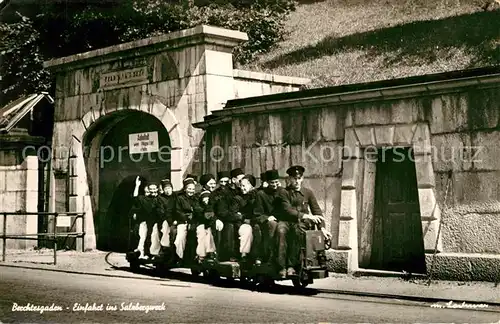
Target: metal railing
(51,237)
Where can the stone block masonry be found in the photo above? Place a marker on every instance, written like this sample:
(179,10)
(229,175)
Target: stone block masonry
(18,193)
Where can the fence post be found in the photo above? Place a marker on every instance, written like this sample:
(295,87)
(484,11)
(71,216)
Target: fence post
(4,238)
(83,232)
(54,226)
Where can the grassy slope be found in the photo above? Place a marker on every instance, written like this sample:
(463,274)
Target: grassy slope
(349,41)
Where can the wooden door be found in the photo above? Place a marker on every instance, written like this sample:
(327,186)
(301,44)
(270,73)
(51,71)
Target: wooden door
(397,241)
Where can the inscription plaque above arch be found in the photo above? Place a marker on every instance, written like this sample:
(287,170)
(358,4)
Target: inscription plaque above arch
(128,77)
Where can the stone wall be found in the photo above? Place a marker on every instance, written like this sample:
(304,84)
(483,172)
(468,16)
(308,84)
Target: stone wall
(18,193)
(457,131)
(250,84)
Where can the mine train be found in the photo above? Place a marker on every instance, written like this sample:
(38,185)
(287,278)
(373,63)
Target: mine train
(312,264)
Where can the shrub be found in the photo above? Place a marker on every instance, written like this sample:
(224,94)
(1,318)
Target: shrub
(21,58)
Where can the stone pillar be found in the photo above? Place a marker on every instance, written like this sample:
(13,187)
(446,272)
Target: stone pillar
(430,211)
(31,202)
(79,198)
(348,226)
(214,77)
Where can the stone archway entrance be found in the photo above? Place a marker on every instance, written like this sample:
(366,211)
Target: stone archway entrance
(357,215)
(114,160)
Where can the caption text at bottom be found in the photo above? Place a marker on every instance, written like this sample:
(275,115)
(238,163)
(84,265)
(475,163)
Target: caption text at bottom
(84,308)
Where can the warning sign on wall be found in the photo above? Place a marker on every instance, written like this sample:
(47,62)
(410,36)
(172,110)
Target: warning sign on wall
(63,221)
(143,143)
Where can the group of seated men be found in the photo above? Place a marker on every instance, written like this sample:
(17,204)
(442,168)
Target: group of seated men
(229,219)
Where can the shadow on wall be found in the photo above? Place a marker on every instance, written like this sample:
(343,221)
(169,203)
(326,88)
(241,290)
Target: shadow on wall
(479,33)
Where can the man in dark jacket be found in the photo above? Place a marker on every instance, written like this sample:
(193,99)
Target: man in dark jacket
(253,219)
(167,198)
(236,176)
(293,215)
(223,179)
(148,215)
(227,206)
(207,223)
(269,232)
(188,211)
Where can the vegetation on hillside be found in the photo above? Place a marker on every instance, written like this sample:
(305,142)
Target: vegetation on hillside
(65,28)
(331,42)
(337,42)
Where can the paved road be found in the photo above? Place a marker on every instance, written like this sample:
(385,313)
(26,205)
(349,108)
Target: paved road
(197,303)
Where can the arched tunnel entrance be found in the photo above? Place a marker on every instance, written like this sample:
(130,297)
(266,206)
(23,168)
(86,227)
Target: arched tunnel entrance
(128,144)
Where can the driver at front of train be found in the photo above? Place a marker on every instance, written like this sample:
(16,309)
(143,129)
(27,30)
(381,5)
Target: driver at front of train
(187,213)
(294,219)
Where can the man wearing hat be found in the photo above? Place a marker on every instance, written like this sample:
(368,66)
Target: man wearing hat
(187,214)
(189,177)
(294,218)
(269,195)
(250,232)
(192,177)
(263,182)
(167,198)
(149,211)
(204,234)
(236,176)
(223,178)
(226,206)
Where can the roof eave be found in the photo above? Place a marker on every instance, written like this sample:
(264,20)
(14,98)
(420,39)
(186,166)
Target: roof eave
(27,105)
(389,93)
(212,122)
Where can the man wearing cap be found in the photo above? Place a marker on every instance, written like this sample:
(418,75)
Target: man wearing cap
(189,176)
(187,213)
(149,212)
(269,195)
(226,207)
(219,193)
(236,176)
(192,177)
(204,234)
(167,198)
(294,218)
(254,218)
